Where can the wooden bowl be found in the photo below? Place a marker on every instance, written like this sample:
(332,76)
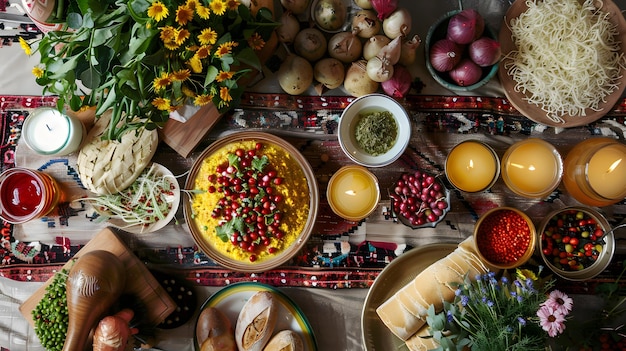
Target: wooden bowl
(203,227)
(534,112)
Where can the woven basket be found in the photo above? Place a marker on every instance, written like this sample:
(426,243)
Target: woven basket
(109,166)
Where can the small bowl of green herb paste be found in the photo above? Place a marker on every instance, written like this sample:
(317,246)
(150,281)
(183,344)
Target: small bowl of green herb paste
(374,130)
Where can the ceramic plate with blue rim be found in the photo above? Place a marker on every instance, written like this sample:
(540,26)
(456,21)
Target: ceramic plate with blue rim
(231,299)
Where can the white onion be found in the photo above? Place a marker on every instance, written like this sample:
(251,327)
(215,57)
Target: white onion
(373,45)
(378,70)
(365,24)
(398,23)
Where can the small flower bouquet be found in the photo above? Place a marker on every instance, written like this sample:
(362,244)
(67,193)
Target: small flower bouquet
(146,58)
(518,313)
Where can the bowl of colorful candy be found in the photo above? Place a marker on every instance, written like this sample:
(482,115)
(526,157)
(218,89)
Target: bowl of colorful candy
(576,243)
(505,237)
(419,199)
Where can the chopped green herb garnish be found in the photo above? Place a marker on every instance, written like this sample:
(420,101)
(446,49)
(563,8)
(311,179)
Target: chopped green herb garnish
(376,132)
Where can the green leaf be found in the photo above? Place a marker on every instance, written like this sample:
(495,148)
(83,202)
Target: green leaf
(90,78)
(249,57)
(74,20)
(210,75)
(259,163)
(76,103)
(66,67)
(108,102)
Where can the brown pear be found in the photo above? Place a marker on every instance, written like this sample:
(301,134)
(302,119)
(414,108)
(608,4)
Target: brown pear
(95,282)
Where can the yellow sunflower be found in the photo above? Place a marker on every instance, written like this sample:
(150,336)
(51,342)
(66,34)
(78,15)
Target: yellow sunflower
(25,46)
(225,94)
(38,72)
(222,76)
(162,81)
(207,36)
(162,104)
(218,7)
(202,100)
(158,11)
(180,75)
(183,15)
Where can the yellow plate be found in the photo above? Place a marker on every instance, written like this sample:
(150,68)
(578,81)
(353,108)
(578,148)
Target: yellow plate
(402,270)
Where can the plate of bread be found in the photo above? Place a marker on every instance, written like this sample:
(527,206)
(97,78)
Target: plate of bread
(252,316)
(395,309)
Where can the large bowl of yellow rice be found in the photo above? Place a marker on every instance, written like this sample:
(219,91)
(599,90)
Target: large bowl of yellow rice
(253,200)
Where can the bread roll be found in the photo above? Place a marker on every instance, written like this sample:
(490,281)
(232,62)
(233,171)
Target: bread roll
(285,340)
(256,322)
(214,332)
(405,312)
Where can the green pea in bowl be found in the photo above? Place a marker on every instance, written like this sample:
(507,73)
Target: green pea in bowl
(374,130)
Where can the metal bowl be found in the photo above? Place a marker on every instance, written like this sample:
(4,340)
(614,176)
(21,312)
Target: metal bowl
(607,242)
(203,230)
(480,233)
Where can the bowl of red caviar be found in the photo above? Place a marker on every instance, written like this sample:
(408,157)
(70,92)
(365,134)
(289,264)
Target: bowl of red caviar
(505,237)
(576,243)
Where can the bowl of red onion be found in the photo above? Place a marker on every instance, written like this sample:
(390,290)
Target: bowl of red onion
(419,199)
(462,52)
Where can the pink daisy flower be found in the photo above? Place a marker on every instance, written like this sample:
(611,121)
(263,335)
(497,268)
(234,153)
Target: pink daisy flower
(551,320)
(560,301)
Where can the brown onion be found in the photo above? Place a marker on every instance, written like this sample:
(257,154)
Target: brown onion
(399,84)
(445,54)
(485,51)
(466,73)
(466,26)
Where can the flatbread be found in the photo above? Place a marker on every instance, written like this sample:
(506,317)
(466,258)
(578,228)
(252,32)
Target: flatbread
(110,166)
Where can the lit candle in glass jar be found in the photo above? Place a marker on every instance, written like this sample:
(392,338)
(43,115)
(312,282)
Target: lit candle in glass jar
(472,166)
(26,194)
(595,172)
(532,168)
(50,132)
(353,192)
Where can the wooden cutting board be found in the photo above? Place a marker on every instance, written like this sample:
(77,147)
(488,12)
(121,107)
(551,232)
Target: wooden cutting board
(142,284)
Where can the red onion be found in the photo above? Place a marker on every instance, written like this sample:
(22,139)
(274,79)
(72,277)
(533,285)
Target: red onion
(445,54)
(466,26)
(485,51)
(399,84)
(466,73)
(384,7)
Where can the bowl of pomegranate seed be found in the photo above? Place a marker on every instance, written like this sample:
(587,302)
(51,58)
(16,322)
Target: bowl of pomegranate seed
(419,199)
(505,237)
(253,200)
(576,243)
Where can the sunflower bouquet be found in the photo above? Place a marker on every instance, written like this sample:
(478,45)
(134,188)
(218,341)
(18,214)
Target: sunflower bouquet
(509,313)
(144,59)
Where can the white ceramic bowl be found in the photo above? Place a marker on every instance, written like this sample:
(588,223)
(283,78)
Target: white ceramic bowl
(350,118)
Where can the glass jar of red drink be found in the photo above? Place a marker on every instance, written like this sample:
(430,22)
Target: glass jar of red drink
(27,194)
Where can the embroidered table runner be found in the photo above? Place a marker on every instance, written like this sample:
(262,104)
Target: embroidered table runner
(340,254)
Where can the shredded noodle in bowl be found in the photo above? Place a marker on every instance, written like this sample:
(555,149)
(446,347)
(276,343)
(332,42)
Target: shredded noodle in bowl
(564,57)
